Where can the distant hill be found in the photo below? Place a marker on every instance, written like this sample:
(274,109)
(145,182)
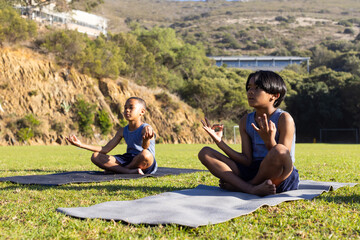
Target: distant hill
(246,28)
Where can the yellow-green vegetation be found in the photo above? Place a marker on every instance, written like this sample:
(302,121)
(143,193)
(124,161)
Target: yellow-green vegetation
(174,56)
(28,211)
(13,28)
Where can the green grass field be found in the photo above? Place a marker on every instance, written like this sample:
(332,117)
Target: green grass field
(28,211)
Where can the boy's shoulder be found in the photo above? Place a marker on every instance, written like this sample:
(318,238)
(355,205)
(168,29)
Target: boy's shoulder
(286,119)
(142,126)
(243,119)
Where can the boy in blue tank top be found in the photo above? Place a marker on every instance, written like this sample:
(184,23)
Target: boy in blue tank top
(139,137)
(265,165)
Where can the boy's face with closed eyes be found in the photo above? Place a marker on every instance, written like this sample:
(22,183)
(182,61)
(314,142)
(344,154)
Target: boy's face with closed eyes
(133,110)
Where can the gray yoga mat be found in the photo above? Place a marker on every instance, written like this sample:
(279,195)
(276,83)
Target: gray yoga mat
(89,176)
(200,206)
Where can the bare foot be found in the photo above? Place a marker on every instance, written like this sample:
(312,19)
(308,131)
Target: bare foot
(136,171)
(227,186)
(265,188)
(109,172)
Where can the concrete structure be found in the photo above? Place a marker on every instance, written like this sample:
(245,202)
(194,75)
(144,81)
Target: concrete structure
(83,22)
(273,63)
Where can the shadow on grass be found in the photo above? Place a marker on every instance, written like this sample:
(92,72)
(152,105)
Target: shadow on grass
(354,198)
(28,170)
(110,188)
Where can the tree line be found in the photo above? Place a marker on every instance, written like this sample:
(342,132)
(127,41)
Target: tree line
(327,97)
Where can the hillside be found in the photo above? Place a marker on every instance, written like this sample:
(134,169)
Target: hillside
(258,27)
(32,85)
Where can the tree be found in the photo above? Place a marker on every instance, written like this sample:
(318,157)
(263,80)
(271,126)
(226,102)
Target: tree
(61,5)
(103,58)
(350,95)
(139,61)
(68,46)
(38,3)
(318,103)
(13,28)
(321,56)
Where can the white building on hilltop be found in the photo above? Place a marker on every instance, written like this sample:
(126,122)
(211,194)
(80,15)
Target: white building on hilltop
(83,22)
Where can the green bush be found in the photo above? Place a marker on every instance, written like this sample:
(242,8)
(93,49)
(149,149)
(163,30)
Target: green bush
(24,134)
(266,43)
(345,23)
(288,19)
(123,122)
(13,28)
(166,101)
(104,122)
(349,31)
(68,46)
(58,127)
(31,123)
(177,128)
(85,116)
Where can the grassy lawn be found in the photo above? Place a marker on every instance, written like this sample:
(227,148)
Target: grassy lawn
(28,211)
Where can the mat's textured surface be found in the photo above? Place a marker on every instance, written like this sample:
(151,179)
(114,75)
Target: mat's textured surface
(89,176)
(195,207)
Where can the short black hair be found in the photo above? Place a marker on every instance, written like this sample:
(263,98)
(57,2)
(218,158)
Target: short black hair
(140,100)
(270,82)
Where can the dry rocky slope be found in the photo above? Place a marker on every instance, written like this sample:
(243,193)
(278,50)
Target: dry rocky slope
(32,84)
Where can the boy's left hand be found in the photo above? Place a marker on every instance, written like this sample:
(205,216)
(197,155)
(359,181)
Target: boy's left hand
(215,131)
(148,132)
(266,129)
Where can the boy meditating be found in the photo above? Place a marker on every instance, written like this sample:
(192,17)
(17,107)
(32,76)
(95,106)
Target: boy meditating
(265,164)
(139,137)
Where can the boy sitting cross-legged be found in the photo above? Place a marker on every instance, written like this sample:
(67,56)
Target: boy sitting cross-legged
(265,164)
(139,137)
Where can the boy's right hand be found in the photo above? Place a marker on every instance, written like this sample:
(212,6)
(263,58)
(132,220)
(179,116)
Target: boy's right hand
(215,131)
(148,132)
(74,140)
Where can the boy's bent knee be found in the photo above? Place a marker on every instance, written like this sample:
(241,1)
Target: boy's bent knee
(146,159)
(95,157)
(146,154)
(204,153)
(281,153)
(280,149)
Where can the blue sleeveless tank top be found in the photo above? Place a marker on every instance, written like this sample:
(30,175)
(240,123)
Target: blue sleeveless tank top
(258,146)
(134,140)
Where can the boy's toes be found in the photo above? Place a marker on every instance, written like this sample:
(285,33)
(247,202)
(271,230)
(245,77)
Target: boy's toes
(140,172)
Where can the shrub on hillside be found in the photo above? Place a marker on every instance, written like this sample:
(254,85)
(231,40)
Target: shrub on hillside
(68,46)
(349,31)
(166,101)
(266,43)
(58,127)
(345,23)
(13,28)
(27,127)
(289,19)
(85,116)
(103,121)
(98,58)
(24,134)
(31,122)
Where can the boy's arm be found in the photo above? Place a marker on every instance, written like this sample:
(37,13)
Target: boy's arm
(242,157)
(107,148)
(147,135)
(286,129)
